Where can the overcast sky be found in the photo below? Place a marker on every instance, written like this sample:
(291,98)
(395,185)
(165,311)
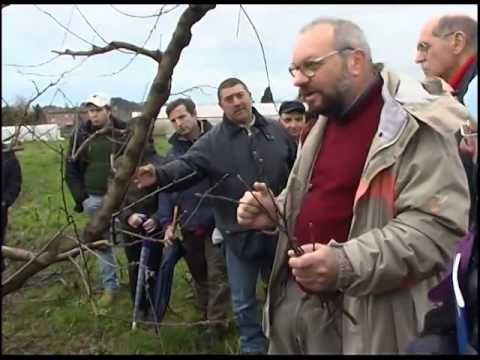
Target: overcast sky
(215,51)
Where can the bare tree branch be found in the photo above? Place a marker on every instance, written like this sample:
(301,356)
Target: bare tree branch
(63,26)
(114,45)
(133,57)
(161,12)
(263,52)
(198,87)
(35,65)
(158,95)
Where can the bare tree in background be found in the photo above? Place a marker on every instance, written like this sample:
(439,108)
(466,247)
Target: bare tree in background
(55,250)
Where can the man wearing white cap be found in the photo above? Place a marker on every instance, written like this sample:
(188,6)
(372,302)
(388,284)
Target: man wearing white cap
(88,171)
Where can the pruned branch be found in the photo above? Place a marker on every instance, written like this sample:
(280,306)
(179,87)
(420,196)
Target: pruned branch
(36,262)
(114,45)
(161,12)
(198,87)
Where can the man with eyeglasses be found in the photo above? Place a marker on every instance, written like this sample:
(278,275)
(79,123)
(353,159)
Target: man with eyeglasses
(372,213)
(243,148)
(447,48)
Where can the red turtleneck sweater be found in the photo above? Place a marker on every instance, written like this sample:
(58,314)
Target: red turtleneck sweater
(328,204)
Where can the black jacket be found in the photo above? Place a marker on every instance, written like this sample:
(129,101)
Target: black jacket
(150,204)
(75,168)
(266,155)
(11,183)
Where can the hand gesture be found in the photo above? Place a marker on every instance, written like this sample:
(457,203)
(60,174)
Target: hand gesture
(316,269)
(145,176)
(149,225)
(136,219)
(250,213)
(169,236)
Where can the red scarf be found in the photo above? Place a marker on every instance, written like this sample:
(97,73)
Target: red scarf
(456,79)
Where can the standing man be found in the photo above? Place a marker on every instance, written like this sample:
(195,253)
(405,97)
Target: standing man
(11,186)
(447,48)
(205,261)
(374,210)
(87,172)
(292,117)
(244,148)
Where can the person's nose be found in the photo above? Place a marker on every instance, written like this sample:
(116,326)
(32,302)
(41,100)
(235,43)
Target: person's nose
(419,57)
(299,79)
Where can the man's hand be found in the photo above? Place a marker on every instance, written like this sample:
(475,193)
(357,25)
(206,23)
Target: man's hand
(136,219)
(145,176)
(250,213)
(149,225)
(169,236)
(315,270)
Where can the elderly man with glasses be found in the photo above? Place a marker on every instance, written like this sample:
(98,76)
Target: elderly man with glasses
(447,48)
(370,213)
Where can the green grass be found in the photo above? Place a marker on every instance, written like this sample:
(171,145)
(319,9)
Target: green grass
(52,314)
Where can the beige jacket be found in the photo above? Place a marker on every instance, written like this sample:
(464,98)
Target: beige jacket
(410,208)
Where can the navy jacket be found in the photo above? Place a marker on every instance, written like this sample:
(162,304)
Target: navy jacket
(186,200)
(267,155)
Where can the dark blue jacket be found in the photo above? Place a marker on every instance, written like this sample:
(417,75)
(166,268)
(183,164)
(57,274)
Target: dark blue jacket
(267,155)
(186,200)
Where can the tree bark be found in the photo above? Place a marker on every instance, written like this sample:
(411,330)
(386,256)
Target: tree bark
(158,95)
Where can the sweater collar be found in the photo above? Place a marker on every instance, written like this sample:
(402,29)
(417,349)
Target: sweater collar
(456,80)
(364,99)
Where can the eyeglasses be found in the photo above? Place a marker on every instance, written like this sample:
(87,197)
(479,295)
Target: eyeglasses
(310,67)
(423,47)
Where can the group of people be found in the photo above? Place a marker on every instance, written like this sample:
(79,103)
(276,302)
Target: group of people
(364,231)
(352,208)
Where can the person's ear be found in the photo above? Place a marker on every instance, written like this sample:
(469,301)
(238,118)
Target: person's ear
(459,42)
(356,62)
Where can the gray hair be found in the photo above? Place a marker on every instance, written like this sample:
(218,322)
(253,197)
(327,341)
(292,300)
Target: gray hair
(346,34)
(451,23)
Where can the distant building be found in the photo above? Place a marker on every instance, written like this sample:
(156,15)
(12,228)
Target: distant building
(64,117)
(212,113)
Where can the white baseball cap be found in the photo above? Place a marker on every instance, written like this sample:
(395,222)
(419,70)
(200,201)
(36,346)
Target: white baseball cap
(98,99)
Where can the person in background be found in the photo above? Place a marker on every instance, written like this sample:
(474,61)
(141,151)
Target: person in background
(11,187)
(440,334)
(139,219)
(205,262)
(88,169)
(245,147)
(447,48)
(292,117)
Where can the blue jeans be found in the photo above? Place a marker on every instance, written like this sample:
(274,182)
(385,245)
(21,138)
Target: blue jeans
(242,277)
(107,262)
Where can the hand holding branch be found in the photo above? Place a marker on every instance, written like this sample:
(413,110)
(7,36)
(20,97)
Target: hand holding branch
(316,269)
(250,214)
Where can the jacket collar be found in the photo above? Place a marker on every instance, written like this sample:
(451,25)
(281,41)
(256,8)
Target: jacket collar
(232,128)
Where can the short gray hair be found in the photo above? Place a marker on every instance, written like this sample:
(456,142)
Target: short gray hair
(451,23)
(346,34)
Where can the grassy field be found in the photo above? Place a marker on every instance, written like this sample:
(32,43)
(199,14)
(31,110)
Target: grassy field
(52,314)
